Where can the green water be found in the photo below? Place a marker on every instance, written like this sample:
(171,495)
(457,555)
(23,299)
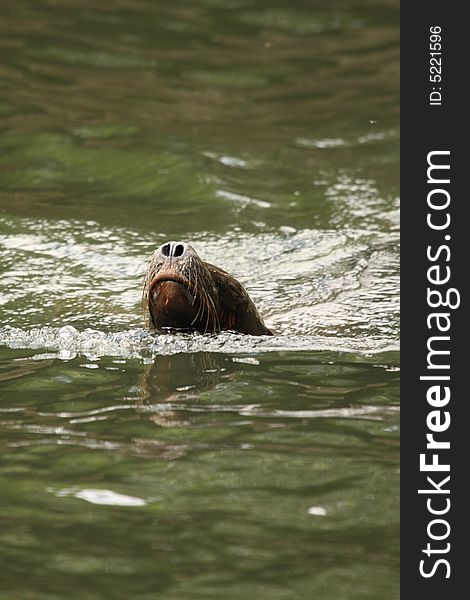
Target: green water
(140,466)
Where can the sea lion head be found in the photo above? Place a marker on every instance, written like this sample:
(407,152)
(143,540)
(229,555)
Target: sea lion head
(179,290)
(183,292)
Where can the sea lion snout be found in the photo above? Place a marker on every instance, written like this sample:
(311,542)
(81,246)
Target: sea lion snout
(173,249)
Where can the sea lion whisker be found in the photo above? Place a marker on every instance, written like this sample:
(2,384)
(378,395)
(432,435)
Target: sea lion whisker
(206,308)
(203,308)
(213,312)
(207,320)
(203,304)
(197,314)
(189,287)
(196,282)
(193,285)
(200,312)
(210,311)
(201,293)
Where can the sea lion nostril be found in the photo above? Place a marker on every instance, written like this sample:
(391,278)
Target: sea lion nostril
(173,249)
(166,249)
(178,250)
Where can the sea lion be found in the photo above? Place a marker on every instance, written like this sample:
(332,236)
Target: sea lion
(183,292)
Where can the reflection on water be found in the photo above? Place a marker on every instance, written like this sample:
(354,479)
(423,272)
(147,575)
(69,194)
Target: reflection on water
(136,465)
(226,468)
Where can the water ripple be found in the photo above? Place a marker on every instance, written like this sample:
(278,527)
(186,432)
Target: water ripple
(75,287)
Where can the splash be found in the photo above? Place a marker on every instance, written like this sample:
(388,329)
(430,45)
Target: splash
(67,342)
